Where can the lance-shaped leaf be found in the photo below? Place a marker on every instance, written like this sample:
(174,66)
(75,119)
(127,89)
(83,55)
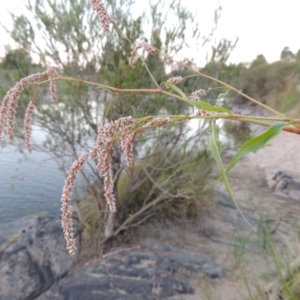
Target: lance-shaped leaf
(209,107)
(214,145)
(177,90)
(256,143)
(198,104)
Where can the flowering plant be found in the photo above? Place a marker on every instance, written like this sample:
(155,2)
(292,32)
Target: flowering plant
(127,128)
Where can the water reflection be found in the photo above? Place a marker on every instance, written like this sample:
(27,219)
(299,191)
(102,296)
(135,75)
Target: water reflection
(30,183)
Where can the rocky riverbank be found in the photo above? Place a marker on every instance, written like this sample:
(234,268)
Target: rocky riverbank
(35,265)
(217,257)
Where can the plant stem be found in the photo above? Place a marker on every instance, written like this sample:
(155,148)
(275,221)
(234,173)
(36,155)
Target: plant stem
(242,94)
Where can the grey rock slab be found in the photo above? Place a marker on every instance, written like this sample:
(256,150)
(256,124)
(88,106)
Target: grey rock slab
(283,184)
(188,260)
(126,276)
(157,245)
(13,230)
(33,256)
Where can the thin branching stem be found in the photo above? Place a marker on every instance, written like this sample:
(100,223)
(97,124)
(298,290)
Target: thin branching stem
(244,95)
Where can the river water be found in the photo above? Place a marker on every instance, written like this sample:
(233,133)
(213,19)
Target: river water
(31,183)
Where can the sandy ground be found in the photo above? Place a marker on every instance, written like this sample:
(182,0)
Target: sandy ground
(282,151)
(248,260)
(252,192)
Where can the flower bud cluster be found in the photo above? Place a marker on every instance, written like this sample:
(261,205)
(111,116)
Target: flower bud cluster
(99,8)
(175,80)
(127,140)
(196,95)
(102,150)
(8,107)
(66,220)
(144,45)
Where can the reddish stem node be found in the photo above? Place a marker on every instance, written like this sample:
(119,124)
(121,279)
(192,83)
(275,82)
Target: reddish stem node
(292,129)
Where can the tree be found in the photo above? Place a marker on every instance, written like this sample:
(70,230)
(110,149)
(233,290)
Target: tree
(287,54)
(298,56)
(259,61)
(17,59)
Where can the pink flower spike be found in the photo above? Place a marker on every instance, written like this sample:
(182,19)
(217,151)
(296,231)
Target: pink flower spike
(52,84)
(196,95)
(127,140)
(147,47)
(3,110)
(102,149)
(12,96)
(175,80)
(66,221)
(27,121)
(99,8)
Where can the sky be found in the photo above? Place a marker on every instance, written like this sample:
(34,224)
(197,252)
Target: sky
(262,26)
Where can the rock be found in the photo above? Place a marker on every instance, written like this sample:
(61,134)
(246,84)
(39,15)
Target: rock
(283,184)
(157,245)
(12,231)
(33,256)
(224,199)
(196,262)
(207,231)
(126,275)
(187,260)
(35,265)
(241,222)
(132,275)
(227,217)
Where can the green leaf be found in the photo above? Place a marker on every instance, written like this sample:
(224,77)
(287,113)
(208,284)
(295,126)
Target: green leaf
(214,146)
(209,107)
(198,104)
(256,143)
(177,90)
(214,143)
